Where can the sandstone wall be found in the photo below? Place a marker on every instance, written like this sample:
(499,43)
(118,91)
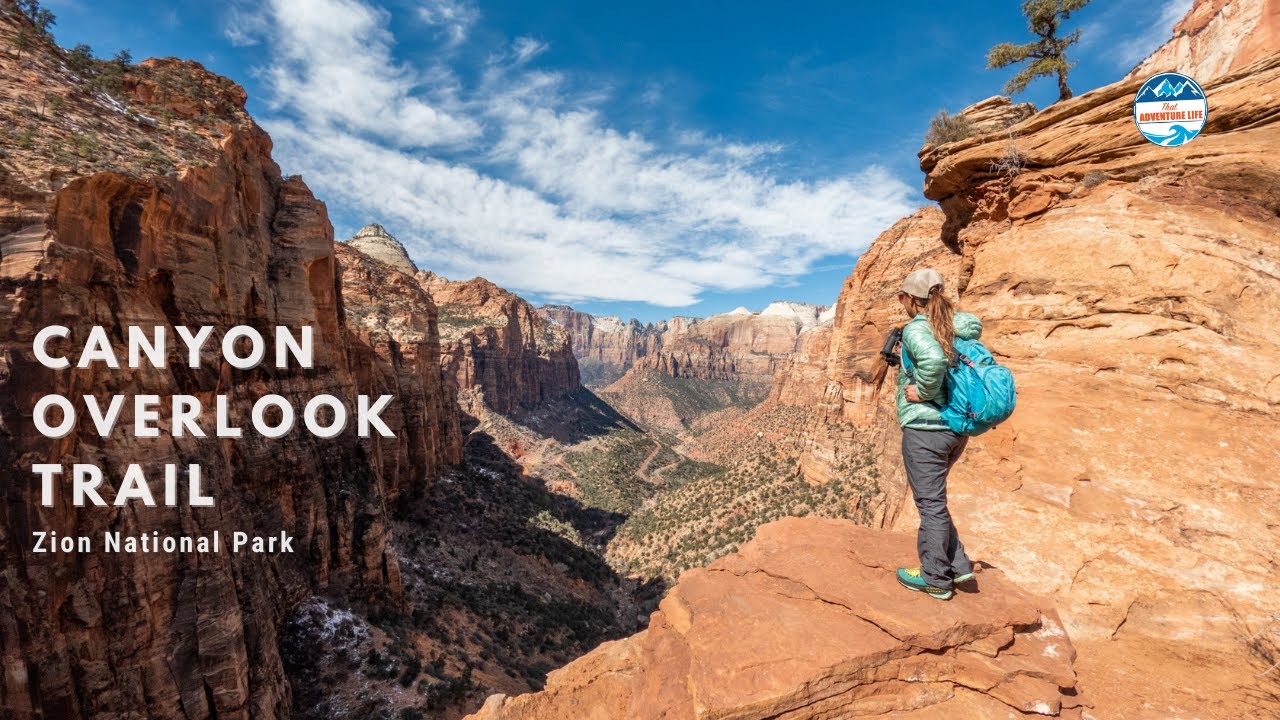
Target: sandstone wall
(1217,37)
(496,344)
(221,239)
(1132,289)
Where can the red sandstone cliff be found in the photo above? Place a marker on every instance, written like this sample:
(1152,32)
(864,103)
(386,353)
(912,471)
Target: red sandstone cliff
(1215,38)
(172,212)
(499,350)
(606,347)
(805,622)
(739,346)
(1132,290)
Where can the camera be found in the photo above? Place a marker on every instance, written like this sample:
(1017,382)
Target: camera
(890,350)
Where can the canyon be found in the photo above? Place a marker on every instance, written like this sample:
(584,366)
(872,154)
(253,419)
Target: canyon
(670,373)
(622,500)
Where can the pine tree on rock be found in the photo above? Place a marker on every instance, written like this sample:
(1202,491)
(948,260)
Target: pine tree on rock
(1046,56)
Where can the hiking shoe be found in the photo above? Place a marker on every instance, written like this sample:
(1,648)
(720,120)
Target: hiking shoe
(963,578)
(910,579)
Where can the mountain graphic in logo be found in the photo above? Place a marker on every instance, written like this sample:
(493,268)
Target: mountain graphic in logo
(1166,89)
(1170,109)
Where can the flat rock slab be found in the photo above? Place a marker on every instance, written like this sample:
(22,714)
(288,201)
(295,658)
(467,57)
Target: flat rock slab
(808,621)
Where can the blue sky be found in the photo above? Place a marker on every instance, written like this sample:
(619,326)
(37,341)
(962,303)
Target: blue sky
(642,159)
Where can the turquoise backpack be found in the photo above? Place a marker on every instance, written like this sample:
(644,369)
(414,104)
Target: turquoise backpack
(980,393)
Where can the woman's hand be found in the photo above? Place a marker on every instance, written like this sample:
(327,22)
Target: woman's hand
(910,392)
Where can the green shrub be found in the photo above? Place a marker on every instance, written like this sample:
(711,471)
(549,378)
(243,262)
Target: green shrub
(80,59)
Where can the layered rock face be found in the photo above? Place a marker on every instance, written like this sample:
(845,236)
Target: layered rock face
(740,345)
(996,113)
(393,341)
(1131,288)
(1215,38)
(606,347)
(737,346)
(497,349)
(808,621)
(219,238)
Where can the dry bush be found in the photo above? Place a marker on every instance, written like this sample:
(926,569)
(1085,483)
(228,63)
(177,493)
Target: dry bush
(947,128)
(1012,161)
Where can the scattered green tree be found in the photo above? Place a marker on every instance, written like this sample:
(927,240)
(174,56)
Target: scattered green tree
(22,41)
(1047,55)
(50,102)
(41,17)
(80,59)
(87,147)
(43,20)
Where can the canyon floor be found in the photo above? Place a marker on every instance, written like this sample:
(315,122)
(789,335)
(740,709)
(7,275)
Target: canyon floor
(562,528)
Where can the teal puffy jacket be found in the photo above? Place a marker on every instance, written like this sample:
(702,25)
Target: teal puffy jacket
(929,365)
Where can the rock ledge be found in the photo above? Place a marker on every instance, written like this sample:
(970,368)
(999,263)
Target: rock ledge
(807,621)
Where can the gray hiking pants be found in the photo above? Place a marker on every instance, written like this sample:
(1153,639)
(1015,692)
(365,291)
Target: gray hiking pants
(929,455)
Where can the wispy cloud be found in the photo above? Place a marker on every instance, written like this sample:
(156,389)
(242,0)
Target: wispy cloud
(244,25)
(1128,32)
(539,191)
(526,49)
(333,68)
(455,17)
(1155,34)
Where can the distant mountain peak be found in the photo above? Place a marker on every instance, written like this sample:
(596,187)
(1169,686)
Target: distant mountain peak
(374,240)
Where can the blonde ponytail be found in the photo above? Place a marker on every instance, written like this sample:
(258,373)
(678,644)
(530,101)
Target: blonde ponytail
(938,310)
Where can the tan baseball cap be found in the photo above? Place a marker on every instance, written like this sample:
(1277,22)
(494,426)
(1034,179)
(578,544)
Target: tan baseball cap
(917,284)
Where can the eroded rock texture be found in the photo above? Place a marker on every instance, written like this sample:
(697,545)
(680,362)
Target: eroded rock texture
(497,349)
(738,346)
(808,621)
(1132,289)
(374,240)
(184,222)
(606,346)
(1217,37)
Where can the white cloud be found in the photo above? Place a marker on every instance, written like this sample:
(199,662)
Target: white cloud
(455,17)
(569,207)
(333,66)
(1136,49)
(242,25)
(526,49)
(1125,42)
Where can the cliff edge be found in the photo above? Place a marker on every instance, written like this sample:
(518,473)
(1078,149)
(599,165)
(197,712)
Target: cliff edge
(808,621)
(1132,290)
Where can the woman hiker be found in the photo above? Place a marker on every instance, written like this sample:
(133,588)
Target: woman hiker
(929,447)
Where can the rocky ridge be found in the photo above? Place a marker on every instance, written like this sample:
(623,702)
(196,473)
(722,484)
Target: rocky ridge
(499,352)
(1216,38)
(831,635)
(739,345)
(1129,287)
(374,240)
(159,209)
(606,346)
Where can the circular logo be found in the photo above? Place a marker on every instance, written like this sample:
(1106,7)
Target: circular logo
(1170,109)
